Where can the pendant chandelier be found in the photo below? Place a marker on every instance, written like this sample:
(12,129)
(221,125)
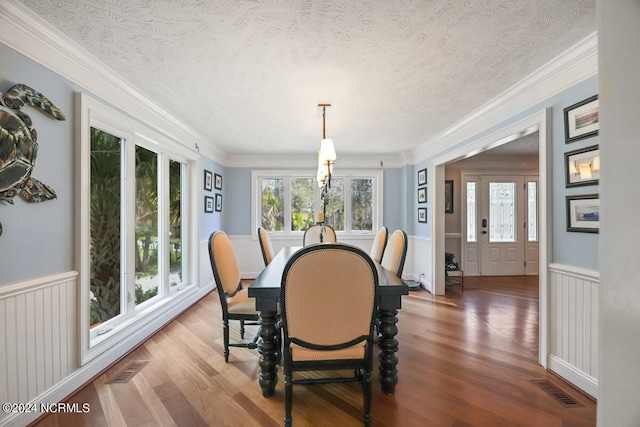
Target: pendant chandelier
(326,154)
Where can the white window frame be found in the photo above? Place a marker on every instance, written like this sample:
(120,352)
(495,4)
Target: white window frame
(256,200)
(92,113)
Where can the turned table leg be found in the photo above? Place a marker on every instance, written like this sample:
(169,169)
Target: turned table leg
(268,349)
(388,344)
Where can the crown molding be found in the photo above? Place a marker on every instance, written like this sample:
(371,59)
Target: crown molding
(30,35)
(298,161)
(573,66)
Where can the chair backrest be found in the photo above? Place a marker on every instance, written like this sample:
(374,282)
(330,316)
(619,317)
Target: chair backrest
(328,296)
(395,252)
(312,234)
(379,244)
(224,264)
(265,246)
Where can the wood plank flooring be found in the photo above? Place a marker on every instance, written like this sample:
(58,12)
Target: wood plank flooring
(465,359)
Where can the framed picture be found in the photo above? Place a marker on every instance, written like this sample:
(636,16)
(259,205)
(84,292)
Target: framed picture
(581,120)
(422,177)
(208,180)
(448,196)
(422,214)
(583,213)
(208,204)
(218,202)
(582,167)
(218,182)
(422,195)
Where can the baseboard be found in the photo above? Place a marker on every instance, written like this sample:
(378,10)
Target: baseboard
(581,380)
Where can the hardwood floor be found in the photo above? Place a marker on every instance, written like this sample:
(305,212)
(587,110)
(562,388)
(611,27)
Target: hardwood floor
(465,359)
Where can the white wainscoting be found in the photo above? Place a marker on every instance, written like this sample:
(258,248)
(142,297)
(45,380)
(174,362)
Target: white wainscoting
(419,255)
(39,347)
(573,325)
(250,256)
(419,263)
(38,336)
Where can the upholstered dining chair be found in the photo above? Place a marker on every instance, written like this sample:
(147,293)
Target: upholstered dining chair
(395,252)
(312,234)
(328,297)
(379,244)
(236,304)
(265,246)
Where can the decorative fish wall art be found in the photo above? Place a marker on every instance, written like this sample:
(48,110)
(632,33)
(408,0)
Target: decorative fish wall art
(19,147)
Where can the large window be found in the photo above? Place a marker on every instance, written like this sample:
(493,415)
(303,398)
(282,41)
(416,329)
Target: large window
(136,209)
(288,202)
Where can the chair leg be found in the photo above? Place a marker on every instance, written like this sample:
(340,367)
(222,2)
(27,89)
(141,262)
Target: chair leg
(366,391)
(225,330)
(242,329)
(288,398)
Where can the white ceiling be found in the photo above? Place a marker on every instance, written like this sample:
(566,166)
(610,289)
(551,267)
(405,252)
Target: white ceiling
(248,74)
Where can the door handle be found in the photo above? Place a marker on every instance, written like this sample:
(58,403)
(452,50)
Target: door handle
(484,231)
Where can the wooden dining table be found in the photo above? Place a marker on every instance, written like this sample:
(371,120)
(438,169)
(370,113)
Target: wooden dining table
(266,290)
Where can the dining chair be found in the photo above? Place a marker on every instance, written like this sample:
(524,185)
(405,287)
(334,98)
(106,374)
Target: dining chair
(395,252)
(265,246)
(379,244)
(328,297)
(313,233)
(236,304)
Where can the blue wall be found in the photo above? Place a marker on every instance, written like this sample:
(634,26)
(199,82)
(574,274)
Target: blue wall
(237,219)
(569,248)
(211,221)
(38,237)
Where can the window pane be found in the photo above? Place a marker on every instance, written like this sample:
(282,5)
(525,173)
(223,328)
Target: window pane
(334,215)
(502,211)
(471,212)
(302,200)
(532,223)
(146,283)
(106,152)
(362,204)
(273,204)
(175,222)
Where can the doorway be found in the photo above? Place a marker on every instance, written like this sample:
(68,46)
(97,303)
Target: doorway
(537,122)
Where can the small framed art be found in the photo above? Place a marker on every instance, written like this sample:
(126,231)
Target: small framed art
(422,177)
(208,204)
(581,120)
(422,214)
(218,182)
(208,180)
(448,196)
(422,195)
(582,167)
(218,202)
(583,213)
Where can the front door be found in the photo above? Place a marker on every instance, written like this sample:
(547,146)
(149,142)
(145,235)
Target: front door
(501,225)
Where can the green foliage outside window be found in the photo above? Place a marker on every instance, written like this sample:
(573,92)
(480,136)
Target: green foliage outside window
(302,200)
(334,215)
(273,204)
(362,204)
(104,249)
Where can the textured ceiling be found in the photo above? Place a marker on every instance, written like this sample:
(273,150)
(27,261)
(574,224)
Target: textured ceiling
(248,75)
